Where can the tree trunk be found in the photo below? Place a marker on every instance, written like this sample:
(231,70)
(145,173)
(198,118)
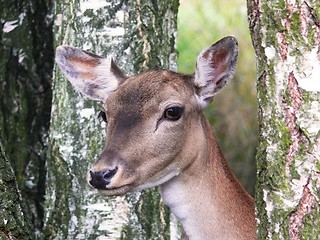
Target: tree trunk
(26,64)
(286,37)
(13,222)
(140,35)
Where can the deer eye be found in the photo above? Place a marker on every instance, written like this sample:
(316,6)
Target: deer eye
(102,115)
(173,113)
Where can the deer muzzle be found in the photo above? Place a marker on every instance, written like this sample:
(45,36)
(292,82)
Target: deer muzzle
(101,179)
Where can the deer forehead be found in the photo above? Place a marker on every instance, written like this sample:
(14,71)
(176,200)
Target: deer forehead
(150,91)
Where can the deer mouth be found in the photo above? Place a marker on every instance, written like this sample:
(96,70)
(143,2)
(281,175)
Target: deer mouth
(112,181)
(115,191)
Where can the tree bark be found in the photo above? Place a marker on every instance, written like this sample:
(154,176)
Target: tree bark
(13,222)
(286,38)
(140,35)
(26,64)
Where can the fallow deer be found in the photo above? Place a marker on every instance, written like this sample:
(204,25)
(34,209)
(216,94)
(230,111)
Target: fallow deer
(158,135)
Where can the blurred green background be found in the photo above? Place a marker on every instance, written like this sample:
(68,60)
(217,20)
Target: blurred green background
(233,113)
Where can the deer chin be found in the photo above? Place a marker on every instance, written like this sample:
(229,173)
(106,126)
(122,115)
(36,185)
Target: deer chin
(158,180)
(117,191)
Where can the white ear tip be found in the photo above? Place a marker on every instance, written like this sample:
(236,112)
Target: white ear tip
(64,49)
(63,53)
(60,54)
(59,49)
(232,39)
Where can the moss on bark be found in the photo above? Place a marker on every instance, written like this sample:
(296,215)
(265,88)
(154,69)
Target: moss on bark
(14,224)
(285,37)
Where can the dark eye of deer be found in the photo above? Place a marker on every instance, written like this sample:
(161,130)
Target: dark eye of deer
(173,113)
(102,115)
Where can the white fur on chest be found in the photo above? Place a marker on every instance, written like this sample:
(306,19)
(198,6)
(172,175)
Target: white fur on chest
(196,208)
(177,198)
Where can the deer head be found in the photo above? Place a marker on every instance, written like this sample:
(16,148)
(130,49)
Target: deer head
(154,118)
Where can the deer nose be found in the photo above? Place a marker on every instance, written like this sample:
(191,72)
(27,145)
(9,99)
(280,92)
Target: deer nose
(101,179)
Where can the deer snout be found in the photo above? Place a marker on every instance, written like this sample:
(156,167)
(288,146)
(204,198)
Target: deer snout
(111,174)
(101,179)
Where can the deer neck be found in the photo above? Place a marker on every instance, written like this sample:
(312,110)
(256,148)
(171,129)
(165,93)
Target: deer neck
(207,198)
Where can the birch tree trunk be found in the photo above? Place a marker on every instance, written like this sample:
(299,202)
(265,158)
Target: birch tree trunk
(286,38)
(140,35)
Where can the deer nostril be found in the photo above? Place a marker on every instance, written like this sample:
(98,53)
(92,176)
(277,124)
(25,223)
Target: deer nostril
(110,173)
(101,179)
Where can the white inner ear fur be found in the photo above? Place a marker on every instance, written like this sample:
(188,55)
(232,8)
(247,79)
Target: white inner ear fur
(202,103)
(203,70)
(105,79)
(203,75)
(215,67)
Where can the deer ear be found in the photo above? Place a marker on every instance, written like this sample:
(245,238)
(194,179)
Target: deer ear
(92,75)
(215,67)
